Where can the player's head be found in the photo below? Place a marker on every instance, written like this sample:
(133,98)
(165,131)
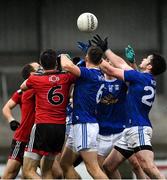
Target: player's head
(48,59)
(29,68)
(94,55)
(155,63)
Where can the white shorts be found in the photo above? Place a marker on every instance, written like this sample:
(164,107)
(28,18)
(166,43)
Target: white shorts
(106,143)
(83,137)
(70,138)
(135,137)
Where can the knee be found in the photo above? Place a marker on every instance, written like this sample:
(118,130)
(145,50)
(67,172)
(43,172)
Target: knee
(57,173)
(10,174)
(27,171)
(107,167)
(64,166)
(136,166)
(148,166)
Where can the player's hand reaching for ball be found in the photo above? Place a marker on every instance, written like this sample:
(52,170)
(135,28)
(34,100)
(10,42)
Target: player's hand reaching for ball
(130,54)
(103,44)
(84,46)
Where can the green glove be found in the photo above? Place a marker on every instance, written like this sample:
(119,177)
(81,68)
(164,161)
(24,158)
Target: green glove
(130,54)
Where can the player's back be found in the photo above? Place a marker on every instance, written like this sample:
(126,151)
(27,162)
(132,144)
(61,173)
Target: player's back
(111,110)
(87,93)
(140,97)
(52,91)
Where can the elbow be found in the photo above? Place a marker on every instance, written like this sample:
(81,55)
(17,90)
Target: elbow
(3,111)
(65,67)
(68,66)
(23,87)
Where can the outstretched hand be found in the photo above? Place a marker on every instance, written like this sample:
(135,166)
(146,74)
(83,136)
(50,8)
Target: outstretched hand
(130,54)
(84,46)
(103,44)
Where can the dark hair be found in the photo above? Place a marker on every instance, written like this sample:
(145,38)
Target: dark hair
(27,69)
(95,55)
(48,59)
(158,64)
(75,60)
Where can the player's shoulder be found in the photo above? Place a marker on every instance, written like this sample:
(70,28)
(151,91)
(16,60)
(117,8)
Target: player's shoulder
(16,96)
(34,76)
(91,71)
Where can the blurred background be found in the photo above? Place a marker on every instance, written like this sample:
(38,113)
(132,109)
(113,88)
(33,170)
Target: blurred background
(29,26)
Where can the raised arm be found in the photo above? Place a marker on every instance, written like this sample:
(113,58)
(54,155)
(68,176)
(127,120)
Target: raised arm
(116,60)
(69,66)
(130,56)
(112,71)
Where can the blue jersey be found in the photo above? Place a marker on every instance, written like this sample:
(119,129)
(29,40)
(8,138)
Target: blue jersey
(111,111)
(87,93)
(141,94)
(69,111)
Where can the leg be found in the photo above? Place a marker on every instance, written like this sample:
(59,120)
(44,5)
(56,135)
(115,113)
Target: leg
(146,160)
(114,175)
(112,162)
(100,160)
(91,163)
(12,169)
(66,162)
(137,168)
(30,163)
(78,161)
(46,166)
(15,159)
(56,169)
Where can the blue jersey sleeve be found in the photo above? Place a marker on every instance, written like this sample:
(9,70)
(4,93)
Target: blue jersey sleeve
(132,76)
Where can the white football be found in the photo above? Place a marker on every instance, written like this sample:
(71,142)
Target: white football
(87,22)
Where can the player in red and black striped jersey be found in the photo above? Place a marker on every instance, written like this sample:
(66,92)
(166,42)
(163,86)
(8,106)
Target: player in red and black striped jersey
(48,133)
(22,130)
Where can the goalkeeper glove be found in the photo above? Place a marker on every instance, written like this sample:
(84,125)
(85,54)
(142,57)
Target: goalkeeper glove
(130,54)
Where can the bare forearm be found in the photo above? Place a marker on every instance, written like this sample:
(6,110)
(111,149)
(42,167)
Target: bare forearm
(68,65)
(7,110)
(111,71)
(8,116)
(134,66)
(105,67)
(116,60)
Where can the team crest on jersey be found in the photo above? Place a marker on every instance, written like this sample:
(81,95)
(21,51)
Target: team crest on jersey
(54,78)
(109,99)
